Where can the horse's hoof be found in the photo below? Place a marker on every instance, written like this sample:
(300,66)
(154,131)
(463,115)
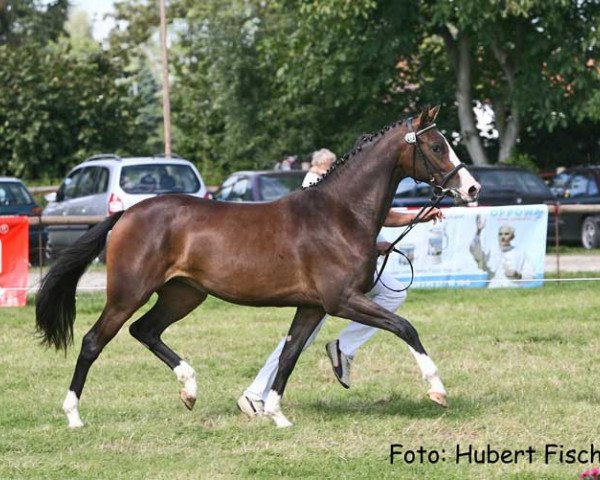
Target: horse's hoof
(438,398)
(282,422)
(187,399)
(279,418)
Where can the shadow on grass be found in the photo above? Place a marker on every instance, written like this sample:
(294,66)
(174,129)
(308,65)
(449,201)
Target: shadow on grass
(459,408)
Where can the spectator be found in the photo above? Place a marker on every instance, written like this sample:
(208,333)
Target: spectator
(286,164)
(322,160)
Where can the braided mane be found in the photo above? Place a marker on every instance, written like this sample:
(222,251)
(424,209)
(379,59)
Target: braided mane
(367,139)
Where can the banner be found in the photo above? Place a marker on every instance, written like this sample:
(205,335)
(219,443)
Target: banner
(474,247)
(14,260)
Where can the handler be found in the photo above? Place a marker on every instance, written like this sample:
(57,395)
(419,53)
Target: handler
(341,351)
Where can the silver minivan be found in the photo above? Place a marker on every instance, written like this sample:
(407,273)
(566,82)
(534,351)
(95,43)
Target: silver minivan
(105,184)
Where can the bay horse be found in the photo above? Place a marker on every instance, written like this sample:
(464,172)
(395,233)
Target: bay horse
(314,249)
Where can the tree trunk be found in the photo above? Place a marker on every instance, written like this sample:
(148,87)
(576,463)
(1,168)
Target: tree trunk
(460,55)
(507,112)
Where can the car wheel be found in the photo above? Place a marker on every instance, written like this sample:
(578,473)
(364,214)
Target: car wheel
(590,232)
(50,253)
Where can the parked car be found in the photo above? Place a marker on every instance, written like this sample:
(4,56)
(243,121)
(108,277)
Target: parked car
(411,193)
(259,186)
(15,199)
(578,185)
(105,184)
(500,185)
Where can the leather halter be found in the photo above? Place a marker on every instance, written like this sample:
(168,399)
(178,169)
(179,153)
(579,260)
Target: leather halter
(412,138)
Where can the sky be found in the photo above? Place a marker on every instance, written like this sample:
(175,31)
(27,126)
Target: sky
(96,10)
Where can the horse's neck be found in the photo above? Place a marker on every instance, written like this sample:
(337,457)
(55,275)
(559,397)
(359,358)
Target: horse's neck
(367,183)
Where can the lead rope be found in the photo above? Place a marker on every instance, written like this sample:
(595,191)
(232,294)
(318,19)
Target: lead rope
(433,203)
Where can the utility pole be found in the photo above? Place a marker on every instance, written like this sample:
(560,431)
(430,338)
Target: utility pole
(165,78)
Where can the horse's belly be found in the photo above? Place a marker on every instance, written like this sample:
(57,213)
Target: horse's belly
(258,281)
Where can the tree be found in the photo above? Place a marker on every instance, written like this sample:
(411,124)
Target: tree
(254,80)
(532,59)
(58,103)
(22,21)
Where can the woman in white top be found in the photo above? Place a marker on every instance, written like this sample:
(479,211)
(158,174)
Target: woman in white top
(322,160)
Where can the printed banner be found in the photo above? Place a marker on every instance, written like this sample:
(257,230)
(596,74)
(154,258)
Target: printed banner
(14,260)
(474,247)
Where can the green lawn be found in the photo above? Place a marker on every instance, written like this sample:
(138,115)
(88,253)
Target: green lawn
(521,368)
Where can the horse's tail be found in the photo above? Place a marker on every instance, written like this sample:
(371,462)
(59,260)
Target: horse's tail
(55,300)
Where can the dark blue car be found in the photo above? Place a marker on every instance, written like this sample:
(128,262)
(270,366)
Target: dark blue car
(500,185)
(15,199)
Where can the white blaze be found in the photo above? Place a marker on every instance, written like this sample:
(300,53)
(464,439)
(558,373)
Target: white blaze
(466,179)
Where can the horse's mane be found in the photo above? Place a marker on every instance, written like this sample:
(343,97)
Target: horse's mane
(363,140)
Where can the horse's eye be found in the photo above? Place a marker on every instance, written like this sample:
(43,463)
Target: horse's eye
(436,148)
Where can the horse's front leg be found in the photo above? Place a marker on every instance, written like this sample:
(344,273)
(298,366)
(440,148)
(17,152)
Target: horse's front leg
(304,323)
(362,309)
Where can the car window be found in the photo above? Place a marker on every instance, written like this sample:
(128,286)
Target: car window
(158,178)
(240,190)
(85,184)
(406,187)
(226,188)
(409,187)
(273,187)
(495,180)
(14,193)
(101,185)
(531,183)
(582,185)
(68,188)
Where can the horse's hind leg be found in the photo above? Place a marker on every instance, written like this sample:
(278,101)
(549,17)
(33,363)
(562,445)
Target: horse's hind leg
(363,310)
(304,323)
(111,320)
(175,300)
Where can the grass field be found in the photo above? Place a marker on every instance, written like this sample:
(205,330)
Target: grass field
(521,367)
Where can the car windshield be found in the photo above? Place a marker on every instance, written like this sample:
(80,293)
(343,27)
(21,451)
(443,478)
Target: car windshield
(159,178)
(273,187)
(14,193)
(511,180)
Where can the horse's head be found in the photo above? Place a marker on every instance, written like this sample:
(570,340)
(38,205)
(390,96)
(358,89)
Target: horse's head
(428,157)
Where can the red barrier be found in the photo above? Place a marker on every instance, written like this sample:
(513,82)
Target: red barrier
(14,260)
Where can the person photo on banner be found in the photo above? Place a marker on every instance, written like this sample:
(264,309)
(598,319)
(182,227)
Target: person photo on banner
(506,264)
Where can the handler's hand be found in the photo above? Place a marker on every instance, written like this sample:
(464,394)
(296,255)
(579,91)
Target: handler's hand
(434,215)
(383,247)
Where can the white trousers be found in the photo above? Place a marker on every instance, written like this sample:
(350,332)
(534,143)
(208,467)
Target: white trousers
(351,337)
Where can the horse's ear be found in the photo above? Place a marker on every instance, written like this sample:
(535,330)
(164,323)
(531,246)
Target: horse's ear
(432,113)
(427,116)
